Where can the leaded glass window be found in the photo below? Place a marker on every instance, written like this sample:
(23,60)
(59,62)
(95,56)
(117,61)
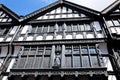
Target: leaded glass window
(85,61)
(33,57)
(77,56)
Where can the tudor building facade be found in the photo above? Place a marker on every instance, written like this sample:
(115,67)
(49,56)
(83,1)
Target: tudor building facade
(60,41)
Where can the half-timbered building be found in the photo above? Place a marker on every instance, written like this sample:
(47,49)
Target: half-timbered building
(63,40)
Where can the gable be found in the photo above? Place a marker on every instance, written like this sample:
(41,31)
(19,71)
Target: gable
(62,12)
(5,17)
(61,9)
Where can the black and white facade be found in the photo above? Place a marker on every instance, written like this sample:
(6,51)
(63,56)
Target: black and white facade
(60,41)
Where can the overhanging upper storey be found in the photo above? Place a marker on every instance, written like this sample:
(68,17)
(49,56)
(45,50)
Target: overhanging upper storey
(113,9)
(112,17)
(61,10)
(7,16)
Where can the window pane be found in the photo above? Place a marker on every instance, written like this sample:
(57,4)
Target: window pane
(69,28)
(76,61)
(76,50)
(45,29)
(84,51)
(46,62)
(94,60)
(22,62)
(81,27)
(51,29)
(26,51)
(48,51)
(68,61)
(85,61)
(38,62)
(29,63)
(40,51)
(75,27)
(33,51)
(68,50)
(87,27)
(92,51)
(97,25)
(39,30)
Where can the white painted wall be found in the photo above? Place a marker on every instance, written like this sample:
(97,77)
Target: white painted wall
(59,37)
(107,64)
(49,37)
(9,39)
(68,36)
(20,38)
(29,38)
(1,39)
(90,36)
(5,78)
(10,65)
(1,62)
(25,28)
(14,30)
(39,38)
(79,36)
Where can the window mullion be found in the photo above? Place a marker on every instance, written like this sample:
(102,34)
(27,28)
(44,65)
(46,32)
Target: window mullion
(72,60)
(90,62)
(27,58)
(43,56)
(35,57)
(19,57)
(80,55)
